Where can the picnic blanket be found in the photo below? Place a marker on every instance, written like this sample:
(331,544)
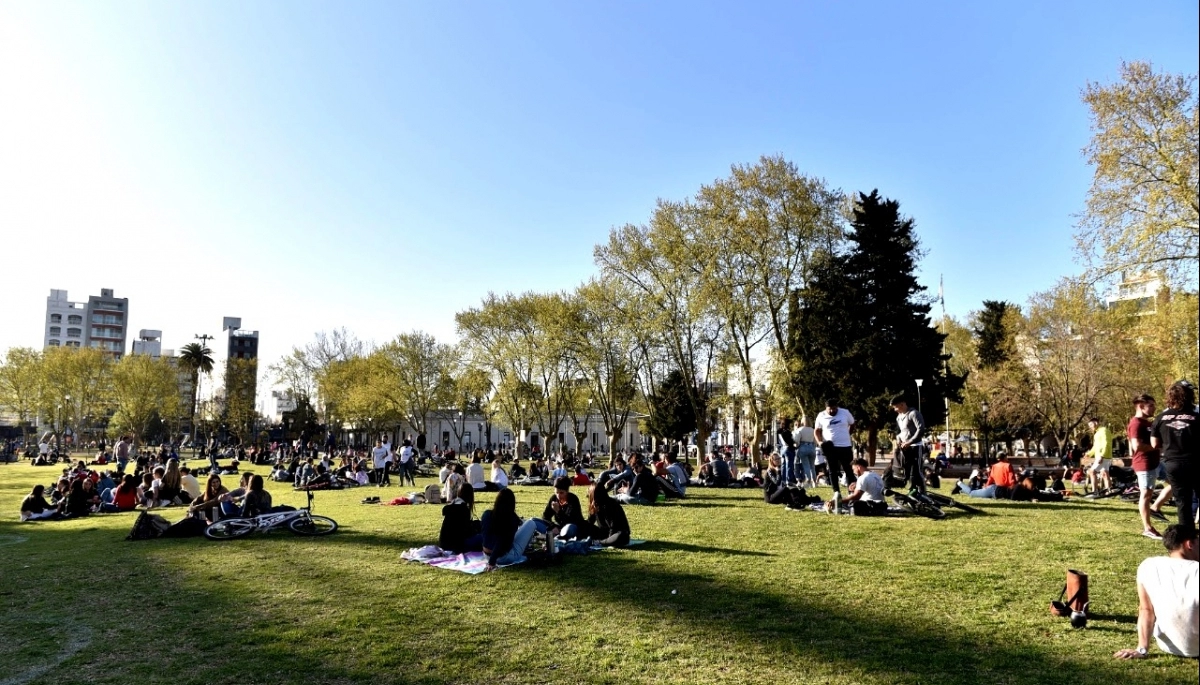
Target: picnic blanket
(472,563)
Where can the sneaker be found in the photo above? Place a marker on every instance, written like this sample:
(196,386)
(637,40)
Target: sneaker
(1155,513)
(1152,534)
(957,487)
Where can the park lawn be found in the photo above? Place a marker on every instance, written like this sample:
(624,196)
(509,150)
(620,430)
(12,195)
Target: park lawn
(761,594)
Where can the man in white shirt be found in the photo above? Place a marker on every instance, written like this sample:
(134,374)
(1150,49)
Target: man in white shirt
(832,430)
(867,498)
(408,467)
(381,457)
(1169,597)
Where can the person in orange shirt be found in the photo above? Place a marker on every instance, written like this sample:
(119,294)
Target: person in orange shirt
(1000,482)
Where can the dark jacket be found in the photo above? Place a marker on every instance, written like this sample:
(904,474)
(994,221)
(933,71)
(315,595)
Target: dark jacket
(644,487)
(498,534)
(457,526)
(572,512)
(609,520)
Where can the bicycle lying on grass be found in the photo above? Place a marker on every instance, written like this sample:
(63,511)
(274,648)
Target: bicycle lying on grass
(929,504)
(299,521)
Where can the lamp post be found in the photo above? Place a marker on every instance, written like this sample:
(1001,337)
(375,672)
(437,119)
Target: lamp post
(461,429)
(521,431)
(983,409)
(920,382)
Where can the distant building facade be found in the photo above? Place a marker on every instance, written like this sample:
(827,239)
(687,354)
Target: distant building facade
(149,343)
(101,323)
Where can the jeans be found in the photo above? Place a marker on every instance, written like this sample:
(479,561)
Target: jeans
(1182,477)
(988,492)
(838,462)
(789,465)
(106,497)
(521,540)
(385,474)
(914,472)
(806,453)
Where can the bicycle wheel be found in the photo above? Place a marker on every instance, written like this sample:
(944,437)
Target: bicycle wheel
(929,511)
(313,525)
(229,529)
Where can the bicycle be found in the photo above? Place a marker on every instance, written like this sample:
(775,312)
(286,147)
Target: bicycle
(299,521)
(943,501)
(918,504)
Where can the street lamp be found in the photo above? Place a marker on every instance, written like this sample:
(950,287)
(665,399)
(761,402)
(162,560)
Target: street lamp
(461,429)
(920,382)
(983,409)
(521,431)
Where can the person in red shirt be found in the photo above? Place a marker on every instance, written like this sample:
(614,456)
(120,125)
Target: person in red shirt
(1145,458)
(1000,482)
(581,477)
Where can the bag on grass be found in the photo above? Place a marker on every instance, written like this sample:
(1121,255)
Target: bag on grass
(1076,592)
(432,494)
(148,526)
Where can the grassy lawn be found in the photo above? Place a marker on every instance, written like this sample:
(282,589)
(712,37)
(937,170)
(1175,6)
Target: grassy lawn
(761,595)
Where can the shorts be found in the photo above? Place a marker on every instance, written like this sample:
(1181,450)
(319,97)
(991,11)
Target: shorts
(1100,465)
(1146,479)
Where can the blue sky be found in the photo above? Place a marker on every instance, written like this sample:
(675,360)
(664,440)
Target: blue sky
(381,166)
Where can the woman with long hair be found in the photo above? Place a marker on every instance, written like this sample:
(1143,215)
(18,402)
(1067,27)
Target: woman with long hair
(505,537)
(606,524)
(209,501)
(124,496)
(258,500)
(35,506)
(78,503)
(460,531)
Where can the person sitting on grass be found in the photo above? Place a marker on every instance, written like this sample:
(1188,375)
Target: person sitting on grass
(538,468)
(258,500)
(517,472)
(607,524)
(460,531)
(775,490)
(505,536)
(168,486)
(209,502)
(581,476)
(677,473)
(79,503)
(454,480)
(617,473)
(499,475)
(644,488)
(563,510)
(1000,482)
(124,497)
(1169,597)
(560,470)
(715,474)
(475,474)
(35,507)
(867,498)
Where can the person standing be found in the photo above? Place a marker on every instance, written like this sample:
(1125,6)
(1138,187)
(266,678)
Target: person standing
(789,453)
(832,430)
(1102,454)
(1174,435)
(408,464)
(806,451)
(1144,458)
(381,457)
(911,426)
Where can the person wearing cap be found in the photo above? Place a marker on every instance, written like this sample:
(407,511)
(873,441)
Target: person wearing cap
(1169,597)
(1102,456)
(1174,435)
(911,430)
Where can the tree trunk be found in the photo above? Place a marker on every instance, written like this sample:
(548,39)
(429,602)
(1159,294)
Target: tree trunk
(612,445)
(872,444)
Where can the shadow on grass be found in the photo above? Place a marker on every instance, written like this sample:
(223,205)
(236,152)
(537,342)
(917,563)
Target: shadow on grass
(668,546)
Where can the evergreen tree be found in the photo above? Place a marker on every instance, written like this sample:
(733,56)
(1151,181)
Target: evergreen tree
(671,414)
(863,332)
(995,340)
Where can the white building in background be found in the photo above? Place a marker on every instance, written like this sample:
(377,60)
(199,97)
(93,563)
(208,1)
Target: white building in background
(1143,289)
(101,323)
(65,321)
(149,343)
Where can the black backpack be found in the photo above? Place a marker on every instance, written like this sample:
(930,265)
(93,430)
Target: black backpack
(148,526)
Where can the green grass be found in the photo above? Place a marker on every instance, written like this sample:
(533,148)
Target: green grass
(762,595)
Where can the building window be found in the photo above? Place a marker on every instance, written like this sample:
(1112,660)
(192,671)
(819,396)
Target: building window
(75,319)
(73,332)
(55,330)
(53,343)
(56,318)
(72,343)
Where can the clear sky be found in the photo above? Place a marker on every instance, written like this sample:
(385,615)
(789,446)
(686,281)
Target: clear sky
(381,166)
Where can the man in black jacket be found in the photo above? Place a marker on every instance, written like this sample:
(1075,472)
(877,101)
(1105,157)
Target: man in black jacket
(644,488)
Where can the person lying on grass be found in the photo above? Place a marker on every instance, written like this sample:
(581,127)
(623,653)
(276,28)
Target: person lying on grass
(1000,482)
(35,507)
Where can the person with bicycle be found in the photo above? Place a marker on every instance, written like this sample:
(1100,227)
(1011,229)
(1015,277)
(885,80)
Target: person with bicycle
(911,426)
(867,497)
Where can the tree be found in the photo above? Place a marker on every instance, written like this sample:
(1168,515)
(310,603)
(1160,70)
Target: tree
(867,333)
(1142,210)
(994,335)
(21,381)
(658,263)
(351,390)
(143,388)
(414,376)
(299,371)
(196,359)
(76,386)
(241,384)
(672,416)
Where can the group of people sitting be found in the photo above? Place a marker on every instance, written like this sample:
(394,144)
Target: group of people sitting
(81,491)
(504,536)
(1001,481)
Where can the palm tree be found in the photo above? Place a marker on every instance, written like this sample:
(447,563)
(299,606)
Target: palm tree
(197,359)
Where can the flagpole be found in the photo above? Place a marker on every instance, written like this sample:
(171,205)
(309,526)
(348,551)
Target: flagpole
(946,362)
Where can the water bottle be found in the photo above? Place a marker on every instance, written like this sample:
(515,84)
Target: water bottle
(837,501)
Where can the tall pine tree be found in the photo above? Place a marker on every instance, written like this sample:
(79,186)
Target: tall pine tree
(862,331)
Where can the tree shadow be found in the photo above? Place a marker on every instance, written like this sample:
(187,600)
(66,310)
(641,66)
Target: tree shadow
(671,546)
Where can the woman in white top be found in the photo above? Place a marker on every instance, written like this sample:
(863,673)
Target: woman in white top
(453,481)
(499,475)
(475,474)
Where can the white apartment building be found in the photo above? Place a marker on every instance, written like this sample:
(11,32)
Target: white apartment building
(101,323)
(149,343)
(65,321)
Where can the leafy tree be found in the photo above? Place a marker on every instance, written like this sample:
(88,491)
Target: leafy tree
(143,388)
(1142,211)
(76,385)
(21,382)
(241,384)
(414,376)
(196,359)
(672,416)
(350,389)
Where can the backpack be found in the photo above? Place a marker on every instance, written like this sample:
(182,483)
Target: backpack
(432,494)
(148,526)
